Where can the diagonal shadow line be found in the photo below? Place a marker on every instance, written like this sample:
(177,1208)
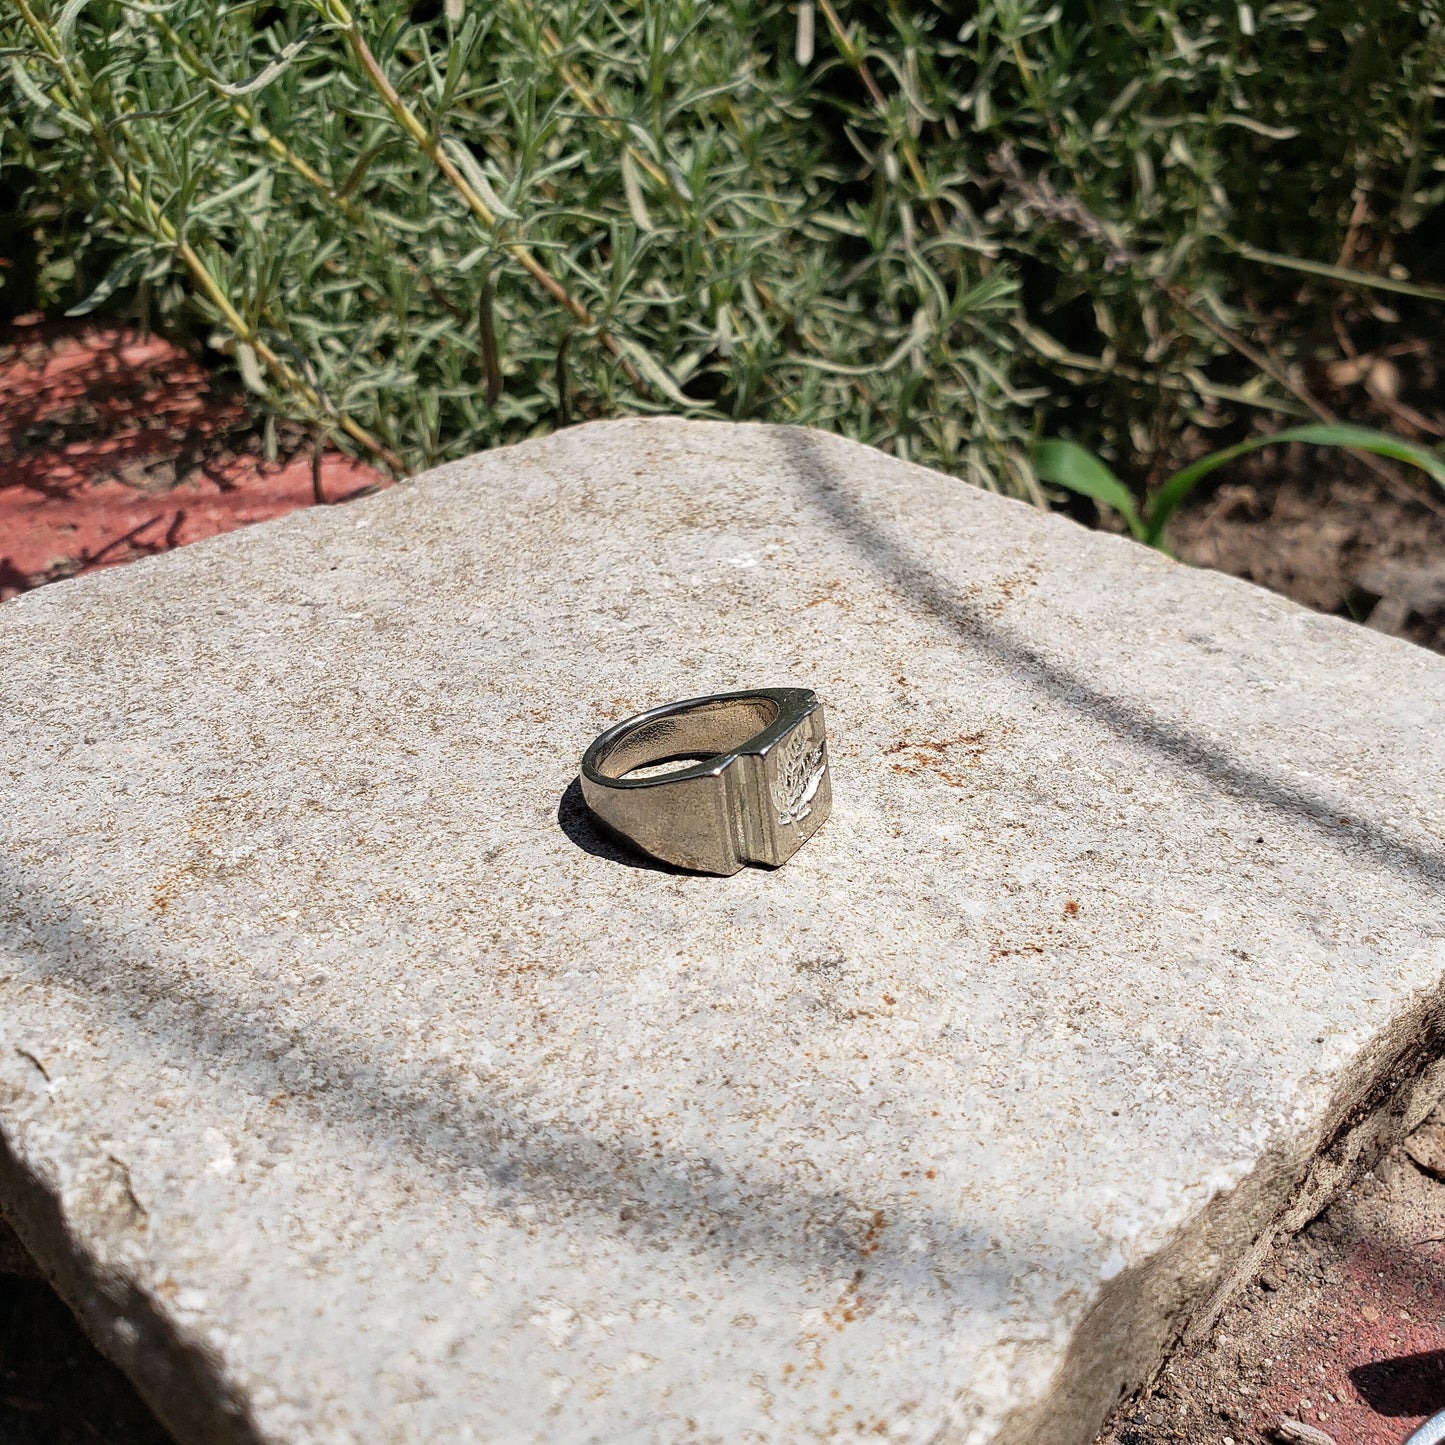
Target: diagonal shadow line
(644,1197)
(705,1203)
(1366,840)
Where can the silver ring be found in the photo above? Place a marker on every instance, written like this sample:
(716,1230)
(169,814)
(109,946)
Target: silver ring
(1431,1432)
(756,792)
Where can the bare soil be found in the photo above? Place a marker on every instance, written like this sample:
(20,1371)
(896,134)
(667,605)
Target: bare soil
(1336,531)
(1344,1331)
(1328,532)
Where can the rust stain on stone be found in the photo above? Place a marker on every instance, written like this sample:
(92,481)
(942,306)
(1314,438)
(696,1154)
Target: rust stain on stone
(947,758)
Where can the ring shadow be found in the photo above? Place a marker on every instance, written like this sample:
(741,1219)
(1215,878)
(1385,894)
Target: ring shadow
(1408,1385)
(581,828)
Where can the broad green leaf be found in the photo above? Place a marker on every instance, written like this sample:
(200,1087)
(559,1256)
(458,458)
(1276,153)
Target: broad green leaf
(1357,438)
(1067,464)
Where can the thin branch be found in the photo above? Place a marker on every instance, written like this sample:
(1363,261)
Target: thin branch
(855,57)
(161,229)
(318,452)
(597,107)
(1346,275)
(278,148)
(432,147)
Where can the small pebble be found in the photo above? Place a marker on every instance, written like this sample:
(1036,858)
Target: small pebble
(1298,1433)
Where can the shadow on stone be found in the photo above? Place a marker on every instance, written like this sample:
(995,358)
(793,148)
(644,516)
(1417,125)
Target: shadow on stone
(55,1389)
(68,1391)
(1373,844)
(629,1191)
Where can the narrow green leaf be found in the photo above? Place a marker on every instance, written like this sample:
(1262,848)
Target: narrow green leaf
(47,108)
(466,162)
(632,189)
(118,276)
(250,369)
(656,376)
(491,356)
(231,193)
(1357,438)
(358,171)
(65,22)
(1067,464)
(277,67)
(127,117)
(1346,274)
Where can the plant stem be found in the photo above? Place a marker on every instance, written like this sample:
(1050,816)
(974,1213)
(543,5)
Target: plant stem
(859,62)
(1344,274)
(598,108)
(282,152)
(161,229)
(433,149)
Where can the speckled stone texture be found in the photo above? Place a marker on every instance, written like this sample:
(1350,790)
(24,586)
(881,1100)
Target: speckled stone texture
(354,1090)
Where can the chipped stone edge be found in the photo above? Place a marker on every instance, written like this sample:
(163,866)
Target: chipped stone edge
(181,1383)
(1145,1315)
(1123,1343)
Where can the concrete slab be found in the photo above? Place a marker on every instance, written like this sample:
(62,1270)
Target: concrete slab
(354,1090)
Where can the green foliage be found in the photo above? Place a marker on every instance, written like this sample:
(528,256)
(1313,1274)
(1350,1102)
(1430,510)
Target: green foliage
(444,228)
(1067,464)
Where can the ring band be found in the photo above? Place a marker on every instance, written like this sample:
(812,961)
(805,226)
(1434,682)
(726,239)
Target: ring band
(760,790)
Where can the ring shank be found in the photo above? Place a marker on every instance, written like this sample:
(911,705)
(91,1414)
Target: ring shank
(702,730)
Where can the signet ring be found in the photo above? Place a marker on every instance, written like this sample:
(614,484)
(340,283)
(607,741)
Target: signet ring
(715,782)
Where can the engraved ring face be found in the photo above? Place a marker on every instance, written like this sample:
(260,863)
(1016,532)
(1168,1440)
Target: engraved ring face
(758,790)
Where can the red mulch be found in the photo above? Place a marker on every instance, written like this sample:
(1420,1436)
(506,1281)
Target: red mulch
(115,446)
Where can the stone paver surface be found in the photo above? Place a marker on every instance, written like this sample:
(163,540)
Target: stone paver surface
(354,1089)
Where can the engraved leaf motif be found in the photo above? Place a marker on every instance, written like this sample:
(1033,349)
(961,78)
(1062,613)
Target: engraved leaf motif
(801,766)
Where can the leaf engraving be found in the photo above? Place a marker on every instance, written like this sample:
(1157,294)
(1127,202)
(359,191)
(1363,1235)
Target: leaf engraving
(801,767)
